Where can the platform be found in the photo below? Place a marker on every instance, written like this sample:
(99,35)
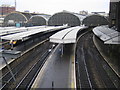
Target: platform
(57,72)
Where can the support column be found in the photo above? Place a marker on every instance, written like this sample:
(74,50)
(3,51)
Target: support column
(62,50)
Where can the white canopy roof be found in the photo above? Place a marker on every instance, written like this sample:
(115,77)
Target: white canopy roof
(12,30)
(35,27)
(66,36)
(108,35)
(5,28)
(115,40)
(23,35)
(114,0)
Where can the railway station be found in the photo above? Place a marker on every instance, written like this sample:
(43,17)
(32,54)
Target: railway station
(65,50)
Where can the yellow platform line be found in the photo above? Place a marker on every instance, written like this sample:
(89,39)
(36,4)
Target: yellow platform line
(73,75)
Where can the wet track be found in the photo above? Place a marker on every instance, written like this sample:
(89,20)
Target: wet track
(92,70)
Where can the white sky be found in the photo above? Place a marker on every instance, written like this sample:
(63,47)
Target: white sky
(54,6)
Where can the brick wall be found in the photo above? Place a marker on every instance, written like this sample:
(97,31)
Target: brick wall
(6,10)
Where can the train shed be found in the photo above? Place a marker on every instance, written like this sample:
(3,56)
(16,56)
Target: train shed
(71,19)
(95,20)
(38,20)
(17,17)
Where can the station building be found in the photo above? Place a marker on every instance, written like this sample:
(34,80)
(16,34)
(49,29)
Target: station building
(114,14)
(6,9)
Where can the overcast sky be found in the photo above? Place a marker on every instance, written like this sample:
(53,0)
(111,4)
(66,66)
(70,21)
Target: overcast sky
(54,6)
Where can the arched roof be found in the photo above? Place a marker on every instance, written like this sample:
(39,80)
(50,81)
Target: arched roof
(95,20)
(19,17)
(61,18)
(15,17)
(38,20)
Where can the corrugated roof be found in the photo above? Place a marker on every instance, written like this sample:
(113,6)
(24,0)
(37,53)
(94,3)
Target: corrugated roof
(115,40)
(23,35)
(66,36)
(12,30)
(108,35)
(114,0)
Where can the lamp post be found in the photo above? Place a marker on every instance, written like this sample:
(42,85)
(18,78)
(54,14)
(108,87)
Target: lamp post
(15,5)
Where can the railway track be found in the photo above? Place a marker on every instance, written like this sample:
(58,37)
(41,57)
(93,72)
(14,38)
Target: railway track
(24,47)
(30,76)
(25,70)
(91,69)
(83,78)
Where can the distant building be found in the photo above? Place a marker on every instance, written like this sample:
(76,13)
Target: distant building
(83,12)
(27,11)
(6,9)
(100,13)
(114,14)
